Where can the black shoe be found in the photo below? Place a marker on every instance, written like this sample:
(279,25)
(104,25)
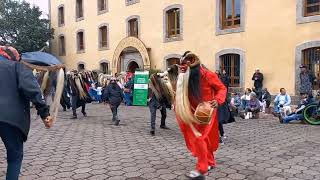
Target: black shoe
(74,117)
(84,114)
(194,175)
(152,132)
(164,127)
(280,120)
(116,123)
(64,109)
(221,141)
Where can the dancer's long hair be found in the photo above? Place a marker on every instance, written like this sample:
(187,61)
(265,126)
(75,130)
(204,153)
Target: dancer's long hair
(161,89)
(195,83)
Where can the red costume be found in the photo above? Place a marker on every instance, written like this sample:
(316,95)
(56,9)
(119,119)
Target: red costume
(204,146)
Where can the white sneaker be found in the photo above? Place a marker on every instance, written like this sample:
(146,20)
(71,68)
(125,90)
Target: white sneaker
(195,175)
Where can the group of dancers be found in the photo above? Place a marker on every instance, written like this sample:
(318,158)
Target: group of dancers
(193,91)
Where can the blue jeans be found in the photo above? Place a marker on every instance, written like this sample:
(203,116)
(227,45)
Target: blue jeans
(13,140)
(98,98)
(244,104)
(292,117)
(127,99)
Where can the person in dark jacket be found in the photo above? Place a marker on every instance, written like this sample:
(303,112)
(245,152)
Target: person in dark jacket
(18,87)
(157,100)
(225,78)
(113,95)
(306,81)
(265,99)
(258,80)
(75,92)
(65,98)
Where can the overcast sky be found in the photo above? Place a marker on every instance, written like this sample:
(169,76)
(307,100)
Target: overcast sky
(43,4)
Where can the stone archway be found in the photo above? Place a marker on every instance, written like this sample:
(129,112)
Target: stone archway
(130,42)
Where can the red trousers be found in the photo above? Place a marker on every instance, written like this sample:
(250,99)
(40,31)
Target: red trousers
(203,147)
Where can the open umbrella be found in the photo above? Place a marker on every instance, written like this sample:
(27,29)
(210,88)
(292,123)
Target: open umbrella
(46,62)
(40,58)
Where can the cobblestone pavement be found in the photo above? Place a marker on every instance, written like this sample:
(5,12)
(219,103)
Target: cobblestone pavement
(91,148)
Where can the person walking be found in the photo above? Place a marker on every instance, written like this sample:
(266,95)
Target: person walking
(18,88)
(113,95)
(77,91)
(198,85)
(65,98)
(157,100)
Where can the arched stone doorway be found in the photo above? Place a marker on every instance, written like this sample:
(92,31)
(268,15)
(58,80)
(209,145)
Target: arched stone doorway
(133,66)
(130,54)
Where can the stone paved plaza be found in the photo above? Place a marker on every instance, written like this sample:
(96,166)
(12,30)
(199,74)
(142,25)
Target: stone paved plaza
(91,148)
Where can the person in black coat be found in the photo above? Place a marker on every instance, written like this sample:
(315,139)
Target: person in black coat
(113,95)
(225,78)
(265,99)
(65,98)
(76,100)
(18,87)
(258,79)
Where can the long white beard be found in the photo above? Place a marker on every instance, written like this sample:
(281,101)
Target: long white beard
(183,106)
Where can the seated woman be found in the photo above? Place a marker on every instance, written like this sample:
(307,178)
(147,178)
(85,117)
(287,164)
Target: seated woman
(245,98)
(282,103)
(235,103)
(298,113)
(265,99)
(253,108)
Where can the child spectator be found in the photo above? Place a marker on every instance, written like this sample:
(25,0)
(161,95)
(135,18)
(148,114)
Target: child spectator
(245,98)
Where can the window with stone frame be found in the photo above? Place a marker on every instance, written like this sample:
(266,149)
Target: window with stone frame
(81,67)
(133,25)
(311,7)
(103,37)
(311,59)
(80,41)
(230,14)
(102,5)
(130,2)
(173,23)
(61,16)
(62,46)
(104,67)
(231,64)
(79,9)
